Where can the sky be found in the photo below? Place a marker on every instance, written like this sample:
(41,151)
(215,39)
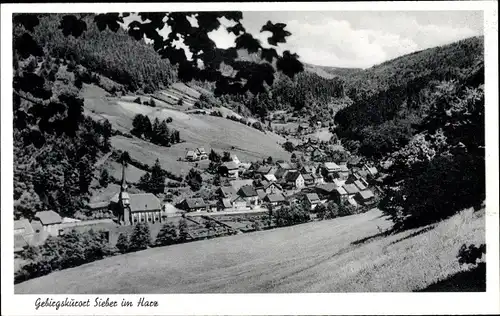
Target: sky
(357,39)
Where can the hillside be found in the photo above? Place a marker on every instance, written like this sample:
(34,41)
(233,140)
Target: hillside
(196,130)
(392,100)
(330,72)
(342,255)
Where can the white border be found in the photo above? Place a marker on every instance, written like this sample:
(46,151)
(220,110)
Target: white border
(267,304)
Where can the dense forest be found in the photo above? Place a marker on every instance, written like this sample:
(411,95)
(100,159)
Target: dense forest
(391,100)
(424,114)
(112,54)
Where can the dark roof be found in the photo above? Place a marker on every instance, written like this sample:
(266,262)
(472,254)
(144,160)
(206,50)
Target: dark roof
(230,165)
(326,187)
(247,191)
(307,177)
(351,188)
(286,165)
(292,176)
(227,191)
(273,184)
(263,169)
(278,197)
(261,193)
(309,168)
(144,202)
(193,203)
(313,197)
(48,217)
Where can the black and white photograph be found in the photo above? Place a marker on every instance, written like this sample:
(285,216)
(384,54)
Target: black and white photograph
(235,151)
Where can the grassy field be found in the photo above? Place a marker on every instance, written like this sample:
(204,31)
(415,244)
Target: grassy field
(342,255)
(205,131)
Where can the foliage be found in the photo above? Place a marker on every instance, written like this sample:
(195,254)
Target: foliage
(157,133)
(123,243)
(291,215)
(140,238)
(214,156)
(288,146)
(194,180)
(183,230)
(167,235)
(68,250)
(154,181)
(471,254)
(104,178)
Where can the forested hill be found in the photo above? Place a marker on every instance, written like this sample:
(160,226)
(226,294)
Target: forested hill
(330,72)
(116,55)
(392,99)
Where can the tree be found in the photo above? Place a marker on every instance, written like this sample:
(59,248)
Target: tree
(270,160)
(214,156)
(145,182)
(226,156)
(123,243)
(104,178)
(141,237)
(157,179)
(167,235)
(183,230)
(138,100)
(288,146)
(194,180)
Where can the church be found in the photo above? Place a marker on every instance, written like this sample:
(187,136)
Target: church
(132,209)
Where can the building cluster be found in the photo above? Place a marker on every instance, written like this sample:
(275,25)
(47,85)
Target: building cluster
(252,186)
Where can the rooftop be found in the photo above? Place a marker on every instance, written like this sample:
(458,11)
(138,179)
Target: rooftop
(366,194)
(247,191)
(24,225)
(278,197)
(312,197)
(144,202)
(351,188)
(331,166)
(48,217)
(292,176)
(230,165)
(195,203)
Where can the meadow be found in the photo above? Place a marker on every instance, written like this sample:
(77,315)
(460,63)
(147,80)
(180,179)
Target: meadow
(348,254)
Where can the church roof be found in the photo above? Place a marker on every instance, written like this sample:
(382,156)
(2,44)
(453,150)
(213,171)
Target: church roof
(144,202)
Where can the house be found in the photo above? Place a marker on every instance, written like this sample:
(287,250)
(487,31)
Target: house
(50,221)
(360,185)
(340,194)
(342,174)
(317,154)
(365,197)
(312,200)
(231,169)
(193,205)
(248,193)
(311,169)
(226,192)
(202,154)
(330,168)
(273,188)
(325,190)
(275,199)
(235,159)
(294,180)
(351,189)
(270,177)
(318,178)
(354,162)
(372,171)
(308,179)
(356,176)
(261,193)
(237,184)
(98,207)
(23,234)
(191,155)
(263,170)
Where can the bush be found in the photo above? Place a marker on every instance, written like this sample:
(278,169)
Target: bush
(169,119)
(167,235)
(123,244)
(141,237)
(138,101)
(293,215)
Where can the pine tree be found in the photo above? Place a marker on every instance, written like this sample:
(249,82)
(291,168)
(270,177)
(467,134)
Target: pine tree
(141,237)
(157,180)
(167,235)
(183,230)
(104,178)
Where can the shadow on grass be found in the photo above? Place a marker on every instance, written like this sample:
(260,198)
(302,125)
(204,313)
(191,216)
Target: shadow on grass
(473,280)
(418,232)
(373,237)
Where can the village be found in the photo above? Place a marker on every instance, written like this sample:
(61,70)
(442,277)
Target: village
(244,200)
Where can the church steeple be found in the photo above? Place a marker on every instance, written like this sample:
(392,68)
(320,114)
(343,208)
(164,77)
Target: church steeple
(124,197)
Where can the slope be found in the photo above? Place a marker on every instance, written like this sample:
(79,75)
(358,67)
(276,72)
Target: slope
(196,130)
(342,255)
